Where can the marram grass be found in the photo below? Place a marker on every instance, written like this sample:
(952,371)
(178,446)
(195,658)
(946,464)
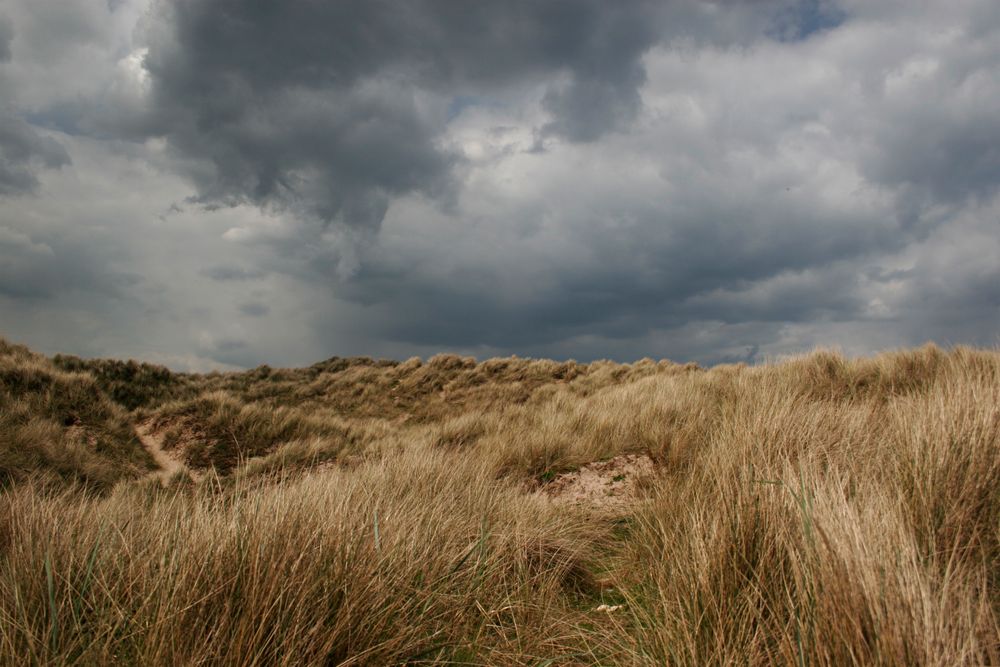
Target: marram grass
(816,511)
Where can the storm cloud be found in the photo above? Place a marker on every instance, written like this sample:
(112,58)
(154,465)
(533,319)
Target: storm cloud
(235,182)
(332,109)
(23,151)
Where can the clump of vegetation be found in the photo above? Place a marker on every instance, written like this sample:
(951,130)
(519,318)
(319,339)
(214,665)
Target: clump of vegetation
(220,430)
(56,424)
(129,383)
(821,510)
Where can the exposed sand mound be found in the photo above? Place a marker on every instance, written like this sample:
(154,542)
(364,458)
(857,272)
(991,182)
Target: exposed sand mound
(603,485)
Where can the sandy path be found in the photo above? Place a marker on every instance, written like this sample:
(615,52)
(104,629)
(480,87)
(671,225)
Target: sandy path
(168,463)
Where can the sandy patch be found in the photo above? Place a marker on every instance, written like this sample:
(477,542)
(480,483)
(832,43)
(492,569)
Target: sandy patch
(603,485)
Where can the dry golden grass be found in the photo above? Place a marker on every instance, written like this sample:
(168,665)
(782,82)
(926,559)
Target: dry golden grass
(820,511)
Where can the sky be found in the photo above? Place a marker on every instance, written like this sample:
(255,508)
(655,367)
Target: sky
(213,184)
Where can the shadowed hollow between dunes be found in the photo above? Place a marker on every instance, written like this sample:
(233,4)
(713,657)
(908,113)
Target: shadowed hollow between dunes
(820,510)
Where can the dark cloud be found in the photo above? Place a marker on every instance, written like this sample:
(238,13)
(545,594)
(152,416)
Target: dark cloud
(719,251)
(435,44)
(332,109)
(943,154)
(23,151)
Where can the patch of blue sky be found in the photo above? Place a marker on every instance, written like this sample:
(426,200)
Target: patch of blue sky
(806,18)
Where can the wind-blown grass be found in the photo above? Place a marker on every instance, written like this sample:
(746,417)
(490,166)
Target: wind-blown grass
(60,426)
(821,511)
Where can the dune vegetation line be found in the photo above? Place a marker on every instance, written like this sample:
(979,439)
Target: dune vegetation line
(814,511)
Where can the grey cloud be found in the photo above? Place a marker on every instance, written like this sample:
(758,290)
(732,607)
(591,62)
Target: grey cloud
(937,137)
(332,109)
(434,43)
(810,295)
(230,345)
(23,151)
(722,240)
(942,158)
(230,351)
(951,290)
(6,37)
(51,31)
(40,268)
(236,352)
(232,273)
(254,309)
(722,251)
(586,108)
(20,258)
(718,181)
